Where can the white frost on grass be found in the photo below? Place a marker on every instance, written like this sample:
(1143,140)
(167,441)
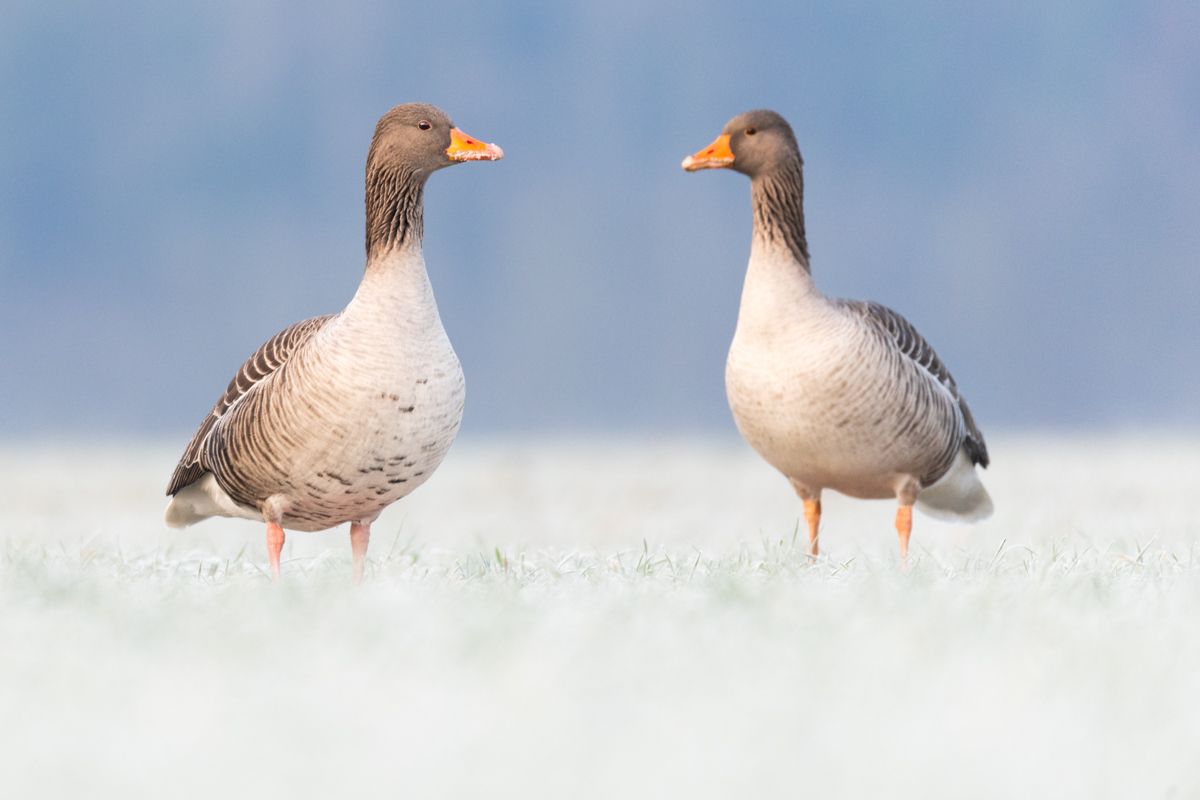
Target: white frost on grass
(584,620)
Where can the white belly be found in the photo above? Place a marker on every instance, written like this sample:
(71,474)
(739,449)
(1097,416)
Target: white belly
(810,407)
(824,398)
(389,435)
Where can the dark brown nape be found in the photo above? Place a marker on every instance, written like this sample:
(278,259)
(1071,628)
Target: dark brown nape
(395,207)
(778,198)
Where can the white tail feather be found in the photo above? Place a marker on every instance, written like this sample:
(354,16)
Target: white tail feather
(203,499)
(958,496)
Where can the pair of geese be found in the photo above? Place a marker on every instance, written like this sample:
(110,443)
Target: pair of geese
(337,417)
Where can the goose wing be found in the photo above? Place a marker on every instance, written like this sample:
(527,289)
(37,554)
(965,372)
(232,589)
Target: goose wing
(273,354)
(908,341)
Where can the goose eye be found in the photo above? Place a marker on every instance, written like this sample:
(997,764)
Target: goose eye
(424,125)
(751,131)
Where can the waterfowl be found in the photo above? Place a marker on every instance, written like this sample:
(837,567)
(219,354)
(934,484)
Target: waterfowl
(835,394)
(337,417)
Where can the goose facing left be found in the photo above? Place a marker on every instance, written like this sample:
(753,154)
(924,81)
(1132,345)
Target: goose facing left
(337,417)
(835,394)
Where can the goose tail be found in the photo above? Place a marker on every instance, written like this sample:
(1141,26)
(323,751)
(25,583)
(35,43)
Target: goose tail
(958,496)
(203,499)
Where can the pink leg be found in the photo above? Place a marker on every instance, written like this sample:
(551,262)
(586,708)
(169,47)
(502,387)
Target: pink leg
(360,534)
(274,546)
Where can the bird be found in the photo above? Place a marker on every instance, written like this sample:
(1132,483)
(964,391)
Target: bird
(835,394)
(337,417)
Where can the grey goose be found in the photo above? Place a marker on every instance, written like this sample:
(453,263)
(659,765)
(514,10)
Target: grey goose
(337,417)
(835,394)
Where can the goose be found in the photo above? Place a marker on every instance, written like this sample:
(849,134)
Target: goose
(835,394)
(337,417)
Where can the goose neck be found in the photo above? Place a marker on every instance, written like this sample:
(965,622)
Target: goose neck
(778,200)
(395,210)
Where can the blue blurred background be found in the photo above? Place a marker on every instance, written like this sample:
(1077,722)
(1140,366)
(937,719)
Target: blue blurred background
(179,181)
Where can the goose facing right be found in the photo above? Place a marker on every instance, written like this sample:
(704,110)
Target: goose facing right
(835,394)
(339,416)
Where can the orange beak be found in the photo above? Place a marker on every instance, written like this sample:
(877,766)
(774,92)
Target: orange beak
(466,148)
(715,156)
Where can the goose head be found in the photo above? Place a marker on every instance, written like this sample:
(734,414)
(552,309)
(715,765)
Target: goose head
(411,142)
(420,139)
(755,143)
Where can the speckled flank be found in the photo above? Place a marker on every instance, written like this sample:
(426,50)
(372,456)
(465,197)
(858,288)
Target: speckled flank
(359,415)
(355,421)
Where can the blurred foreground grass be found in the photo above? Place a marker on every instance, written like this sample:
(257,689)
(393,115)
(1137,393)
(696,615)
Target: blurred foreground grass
(570,621)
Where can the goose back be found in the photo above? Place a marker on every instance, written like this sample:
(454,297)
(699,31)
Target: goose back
(264,362)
